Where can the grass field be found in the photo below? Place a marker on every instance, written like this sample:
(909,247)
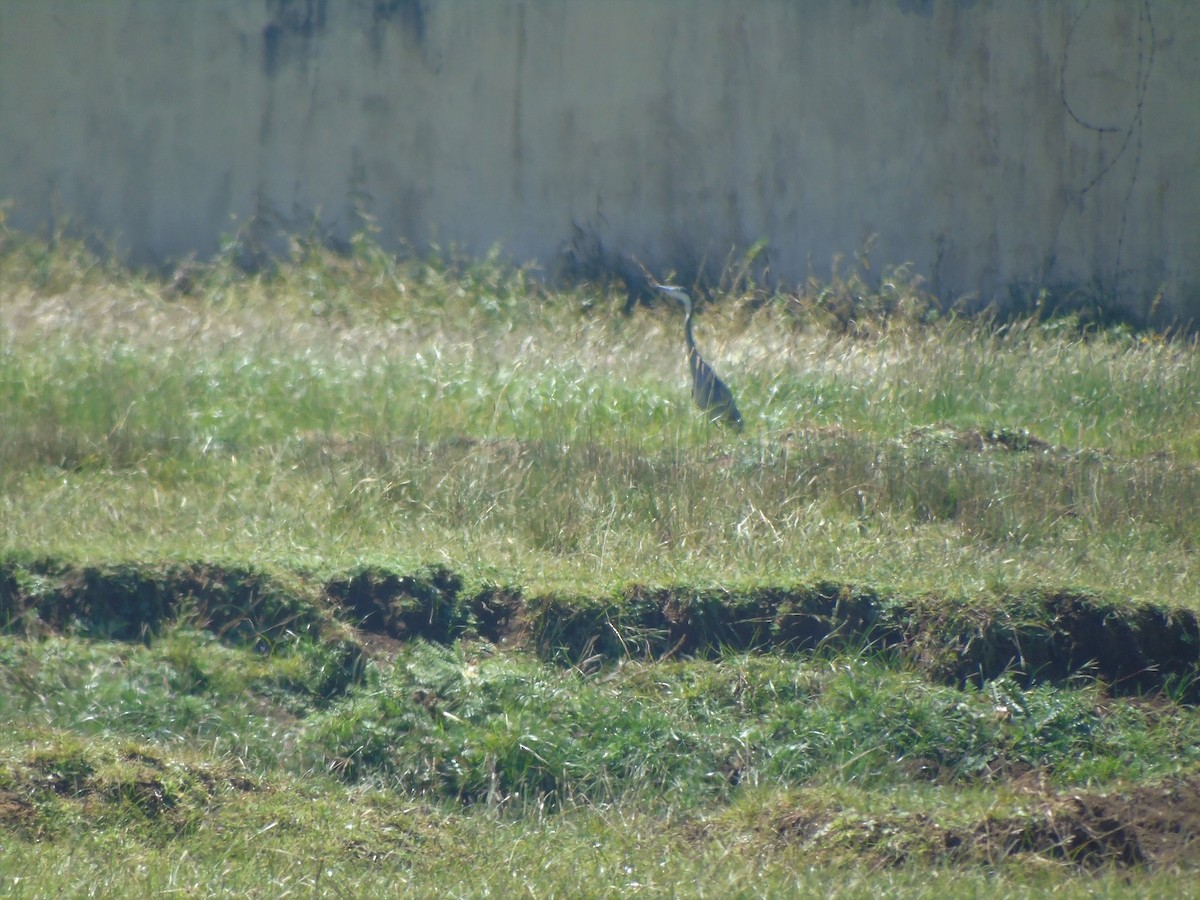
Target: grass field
(368,576)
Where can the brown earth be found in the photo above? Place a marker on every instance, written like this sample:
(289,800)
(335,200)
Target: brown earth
(1156,826)
(1035,635)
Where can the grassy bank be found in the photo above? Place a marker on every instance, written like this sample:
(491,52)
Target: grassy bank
(362,575)
(187,763)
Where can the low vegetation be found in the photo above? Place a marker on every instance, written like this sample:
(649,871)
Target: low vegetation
(369,575)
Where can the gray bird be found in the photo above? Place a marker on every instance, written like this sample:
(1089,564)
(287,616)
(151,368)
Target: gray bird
(710,392)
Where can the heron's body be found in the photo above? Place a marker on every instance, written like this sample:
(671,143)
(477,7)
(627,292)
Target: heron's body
(710,393)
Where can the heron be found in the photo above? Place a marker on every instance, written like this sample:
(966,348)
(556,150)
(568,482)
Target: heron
(711,394)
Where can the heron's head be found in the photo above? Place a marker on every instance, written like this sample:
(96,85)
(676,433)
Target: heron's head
(676,293)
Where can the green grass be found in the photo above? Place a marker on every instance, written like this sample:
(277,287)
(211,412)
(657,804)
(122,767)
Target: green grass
(497,729)
(230,503)
(360,410)
(216,767)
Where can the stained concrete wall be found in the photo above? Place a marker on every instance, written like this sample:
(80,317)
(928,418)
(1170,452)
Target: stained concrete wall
(992,144)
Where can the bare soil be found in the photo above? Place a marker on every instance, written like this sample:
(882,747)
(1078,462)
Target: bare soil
(1037,635)
(1155,826)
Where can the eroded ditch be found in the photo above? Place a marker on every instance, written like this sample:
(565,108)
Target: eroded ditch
(1033,636)
(1149,650)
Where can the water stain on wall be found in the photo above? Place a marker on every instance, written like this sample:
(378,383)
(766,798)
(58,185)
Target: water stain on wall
(409,15)
(291,27)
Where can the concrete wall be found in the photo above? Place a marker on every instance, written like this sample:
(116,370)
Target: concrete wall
(990,143)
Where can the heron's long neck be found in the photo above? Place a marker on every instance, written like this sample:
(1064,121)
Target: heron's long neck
(687,330)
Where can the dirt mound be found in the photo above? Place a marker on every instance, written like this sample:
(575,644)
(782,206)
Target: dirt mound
(1017,440)
(1053,635)
(15,811)
(1156,826)
(1034,636)
(100,781)
(1147,825)
(127,601)
(430,603)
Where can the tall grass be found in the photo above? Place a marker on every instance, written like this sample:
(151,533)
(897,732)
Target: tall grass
(353,408)
(350,408)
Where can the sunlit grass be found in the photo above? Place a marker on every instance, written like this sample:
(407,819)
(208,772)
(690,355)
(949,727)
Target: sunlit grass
(350,409)
(340,410)
(216,768)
